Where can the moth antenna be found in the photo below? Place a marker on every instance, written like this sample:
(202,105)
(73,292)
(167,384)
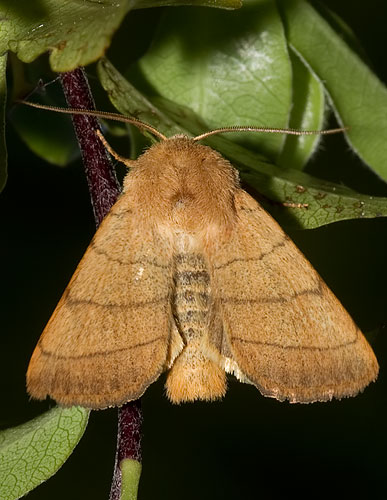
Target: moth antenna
(101,114)
(288,131)
(122,159)
(140,124)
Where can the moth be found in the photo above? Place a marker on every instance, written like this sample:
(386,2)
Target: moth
(188,274)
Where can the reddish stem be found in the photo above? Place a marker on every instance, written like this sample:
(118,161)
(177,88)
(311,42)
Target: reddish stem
(101,178)
(104,190)
(128,441)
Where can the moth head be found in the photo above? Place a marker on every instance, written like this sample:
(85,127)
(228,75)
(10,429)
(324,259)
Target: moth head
(195,185)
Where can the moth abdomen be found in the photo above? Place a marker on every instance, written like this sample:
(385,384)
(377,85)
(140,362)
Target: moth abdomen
(193,374)
(191,295)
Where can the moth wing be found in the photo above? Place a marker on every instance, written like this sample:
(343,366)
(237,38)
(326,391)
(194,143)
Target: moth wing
(108,337)
(284,330)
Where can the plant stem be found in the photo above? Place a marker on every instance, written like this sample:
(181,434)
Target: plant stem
(104,190)
(103,185)
(128,442)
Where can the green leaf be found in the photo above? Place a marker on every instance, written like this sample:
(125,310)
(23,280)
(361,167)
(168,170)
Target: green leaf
(3,101)
(326,202)
(52,138)
(307,114)
(320,203)
(356,94)
(231,68)
(129,101)
(34,451)
(220,4)
(75,32)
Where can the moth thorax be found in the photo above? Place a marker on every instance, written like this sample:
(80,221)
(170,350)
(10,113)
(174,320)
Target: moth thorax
(193,375)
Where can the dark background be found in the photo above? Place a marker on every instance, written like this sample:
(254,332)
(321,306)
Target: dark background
(246,446)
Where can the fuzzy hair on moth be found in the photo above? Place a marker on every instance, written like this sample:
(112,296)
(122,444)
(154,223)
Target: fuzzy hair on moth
(189,274)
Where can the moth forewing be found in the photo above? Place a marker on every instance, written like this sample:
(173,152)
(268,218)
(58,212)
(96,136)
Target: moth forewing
(187,273)
(109,336)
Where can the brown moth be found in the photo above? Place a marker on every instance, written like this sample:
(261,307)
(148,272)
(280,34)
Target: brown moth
(188,274)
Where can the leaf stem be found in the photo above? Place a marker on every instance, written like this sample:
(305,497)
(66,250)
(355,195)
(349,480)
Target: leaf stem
(104,190)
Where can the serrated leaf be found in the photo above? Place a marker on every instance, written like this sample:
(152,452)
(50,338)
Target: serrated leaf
(326,202)
(3,100)
(75,32)
(357,95)
(230,68)
(312,207)
(34,451)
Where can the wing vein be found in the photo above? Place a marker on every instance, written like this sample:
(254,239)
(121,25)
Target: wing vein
(110,305)
(279,244)
(50,354)
(274,300)
(142,261)
(299,347)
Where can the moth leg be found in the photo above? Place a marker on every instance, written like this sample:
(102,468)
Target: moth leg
(122,159)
